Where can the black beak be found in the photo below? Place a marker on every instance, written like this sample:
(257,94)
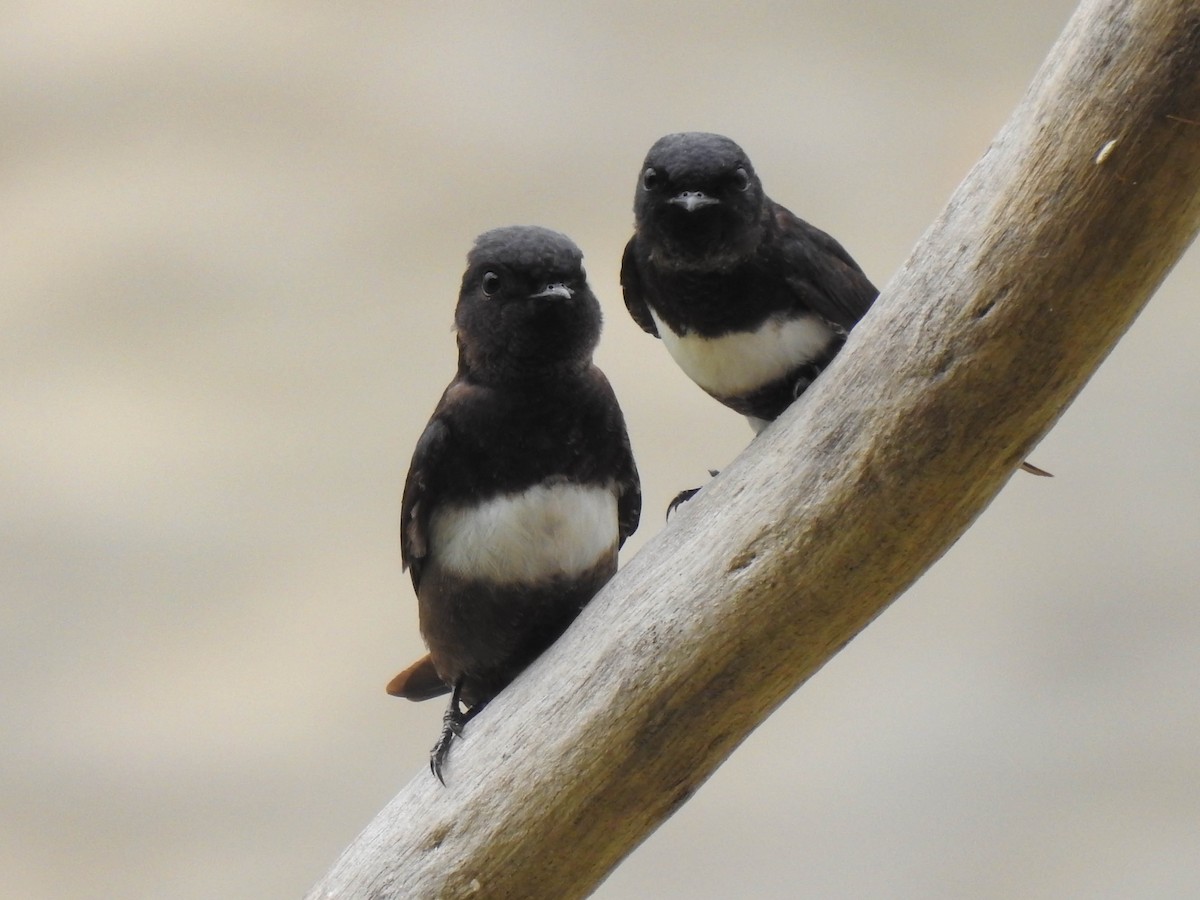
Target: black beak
(558,289)
(693,200)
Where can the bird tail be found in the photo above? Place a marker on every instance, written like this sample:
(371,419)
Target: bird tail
(420,681)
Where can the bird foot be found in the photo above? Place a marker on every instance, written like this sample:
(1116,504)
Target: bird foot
(453,721)
(681,498)
(684,496)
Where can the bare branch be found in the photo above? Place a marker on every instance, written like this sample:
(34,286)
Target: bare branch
(1041,260)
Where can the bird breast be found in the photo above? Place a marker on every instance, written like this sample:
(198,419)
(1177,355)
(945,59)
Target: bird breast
(529,536)
(739,362)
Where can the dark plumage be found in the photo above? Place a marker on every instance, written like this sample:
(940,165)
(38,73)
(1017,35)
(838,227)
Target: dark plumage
(750,300)
(522,486)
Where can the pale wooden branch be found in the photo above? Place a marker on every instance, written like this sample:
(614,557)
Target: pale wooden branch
(1041,260)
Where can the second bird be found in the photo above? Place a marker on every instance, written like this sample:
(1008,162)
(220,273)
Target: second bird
(750,300)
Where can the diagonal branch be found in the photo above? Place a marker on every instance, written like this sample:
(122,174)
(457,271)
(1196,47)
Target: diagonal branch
(1041,260)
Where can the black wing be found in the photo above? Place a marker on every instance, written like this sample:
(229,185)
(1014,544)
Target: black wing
(631,288)
(629,488)
(824,276)
(614,453)
(416,504)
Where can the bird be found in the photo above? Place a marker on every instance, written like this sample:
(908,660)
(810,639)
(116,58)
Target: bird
(750,300)
(523,486)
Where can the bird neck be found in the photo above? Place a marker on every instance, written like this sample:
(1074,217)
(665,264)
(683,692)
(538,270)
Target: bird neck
(523,371)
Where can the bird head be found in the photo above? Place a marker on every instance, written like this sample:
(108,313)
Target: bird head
(699,202)
(525,306)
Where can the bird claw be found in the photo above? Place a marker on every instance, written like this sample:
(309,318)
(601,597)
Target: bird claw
(681,498)
(453,721)
(437,756)
(684,496)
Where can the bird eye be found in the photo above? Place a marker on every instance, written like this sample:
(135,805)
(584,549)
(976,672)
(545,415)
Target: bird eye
(741,178)
(650,178)
(491,283)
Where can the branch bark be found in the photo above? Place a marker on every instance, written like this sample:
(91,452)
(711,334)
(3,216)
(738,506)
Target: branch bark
(1009,303)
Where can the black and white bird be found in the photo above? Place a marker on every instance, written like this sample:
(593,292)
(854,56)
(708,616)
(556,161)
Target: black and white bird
(751,301)
(522,487)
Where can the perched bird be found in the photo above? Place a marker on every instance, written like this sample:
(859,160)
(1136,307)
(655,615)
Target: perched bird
(523,486)
(751,301)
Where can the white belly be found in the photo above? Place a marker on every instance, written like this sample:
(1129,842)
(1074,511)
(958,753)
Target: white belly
(523,538)
(742,361)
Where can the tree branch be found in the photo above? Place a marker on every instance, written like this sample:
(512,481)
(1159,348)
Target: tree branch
(1041,260)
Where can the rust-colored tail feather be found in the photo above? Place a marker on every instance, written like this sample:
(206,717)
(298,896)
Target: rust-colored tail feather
(419,681)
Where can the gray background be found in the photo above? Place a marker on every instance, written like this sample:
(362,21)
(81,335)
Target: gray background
(230,242)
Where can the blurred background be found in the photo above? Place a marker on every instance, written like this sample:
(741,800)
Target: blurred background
(231,237)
